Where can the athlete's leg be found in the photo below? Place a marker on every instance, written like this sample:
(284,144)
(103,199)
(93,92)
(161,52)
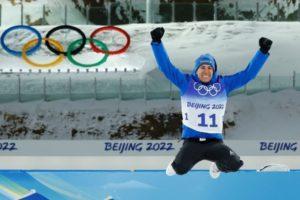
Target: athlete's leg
(224,157)
(189,154)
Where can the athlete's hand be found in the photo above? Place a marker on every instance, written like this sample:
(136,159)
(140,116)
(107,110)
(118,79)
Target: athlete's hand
(265,44)
(157,34)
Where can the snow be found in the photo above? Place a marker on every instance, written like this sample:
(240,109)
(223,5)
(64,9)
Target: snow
(62,116)
(265,115)
(55,9)
(233,43)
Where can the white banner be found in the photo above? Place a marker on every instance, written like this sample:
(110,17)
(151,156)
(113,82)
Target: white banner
(136,147)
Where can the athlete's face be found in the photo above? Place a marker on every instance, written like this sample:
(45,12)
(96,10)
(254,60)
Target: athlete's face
(205,73)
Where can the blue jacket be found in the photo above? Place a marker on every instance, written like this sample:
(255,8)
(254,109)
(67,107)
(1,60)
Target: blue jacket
(181,80)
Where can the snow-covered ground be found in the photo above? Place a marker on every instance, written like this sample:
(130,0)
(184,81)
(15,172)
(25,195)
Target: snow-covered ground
(264,115)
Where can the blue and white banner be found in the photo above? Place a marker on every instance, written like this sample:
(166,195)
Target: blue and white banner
(136,147)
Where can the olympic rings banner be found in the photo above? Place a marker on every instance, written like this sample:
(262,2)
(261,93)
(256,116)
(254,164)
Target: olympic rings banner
(57,48)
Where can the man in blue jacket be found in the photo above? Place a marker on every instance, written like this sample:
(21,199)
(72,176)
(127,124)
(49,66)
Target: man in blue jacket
(204,95)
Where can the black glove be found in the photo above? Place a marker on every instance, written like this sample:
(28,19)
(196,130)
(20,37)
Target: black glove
(157,34)
(265,44)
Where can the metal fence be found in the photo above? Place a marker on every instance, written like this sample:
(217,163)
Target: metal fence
(144,12)
(24,87)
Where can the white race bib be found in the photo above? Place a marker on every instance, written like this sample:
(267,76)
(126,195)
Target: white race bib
(203,107)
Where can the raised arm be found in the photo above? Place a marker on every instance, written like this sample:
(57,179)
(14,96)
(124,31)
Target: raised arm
(164,64)
(240,79)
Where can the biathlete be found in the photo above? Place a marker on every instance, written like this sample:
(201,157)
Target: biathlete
(204,95)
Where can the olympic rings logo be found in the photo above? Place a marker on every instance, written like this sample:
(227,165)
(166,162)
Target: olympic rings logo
(57,48)
(203,90)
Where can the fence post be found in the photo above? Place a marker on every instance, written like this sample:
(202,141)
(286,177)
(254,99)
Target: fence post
(145,88)
(0,14)
(236,10)
(70,88)
(130,11)
(44,15)
(215,11)
(171,92)
(87,13)
(19,88)
(298,12)
(277,6)
(270,81)
(44,89)
(257,11)
(66,15)
(148,11)
(109,13)
(22,14)
(194,11)
(294,79)
(120,94)
(173,11)
(95,85)
(120,88)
